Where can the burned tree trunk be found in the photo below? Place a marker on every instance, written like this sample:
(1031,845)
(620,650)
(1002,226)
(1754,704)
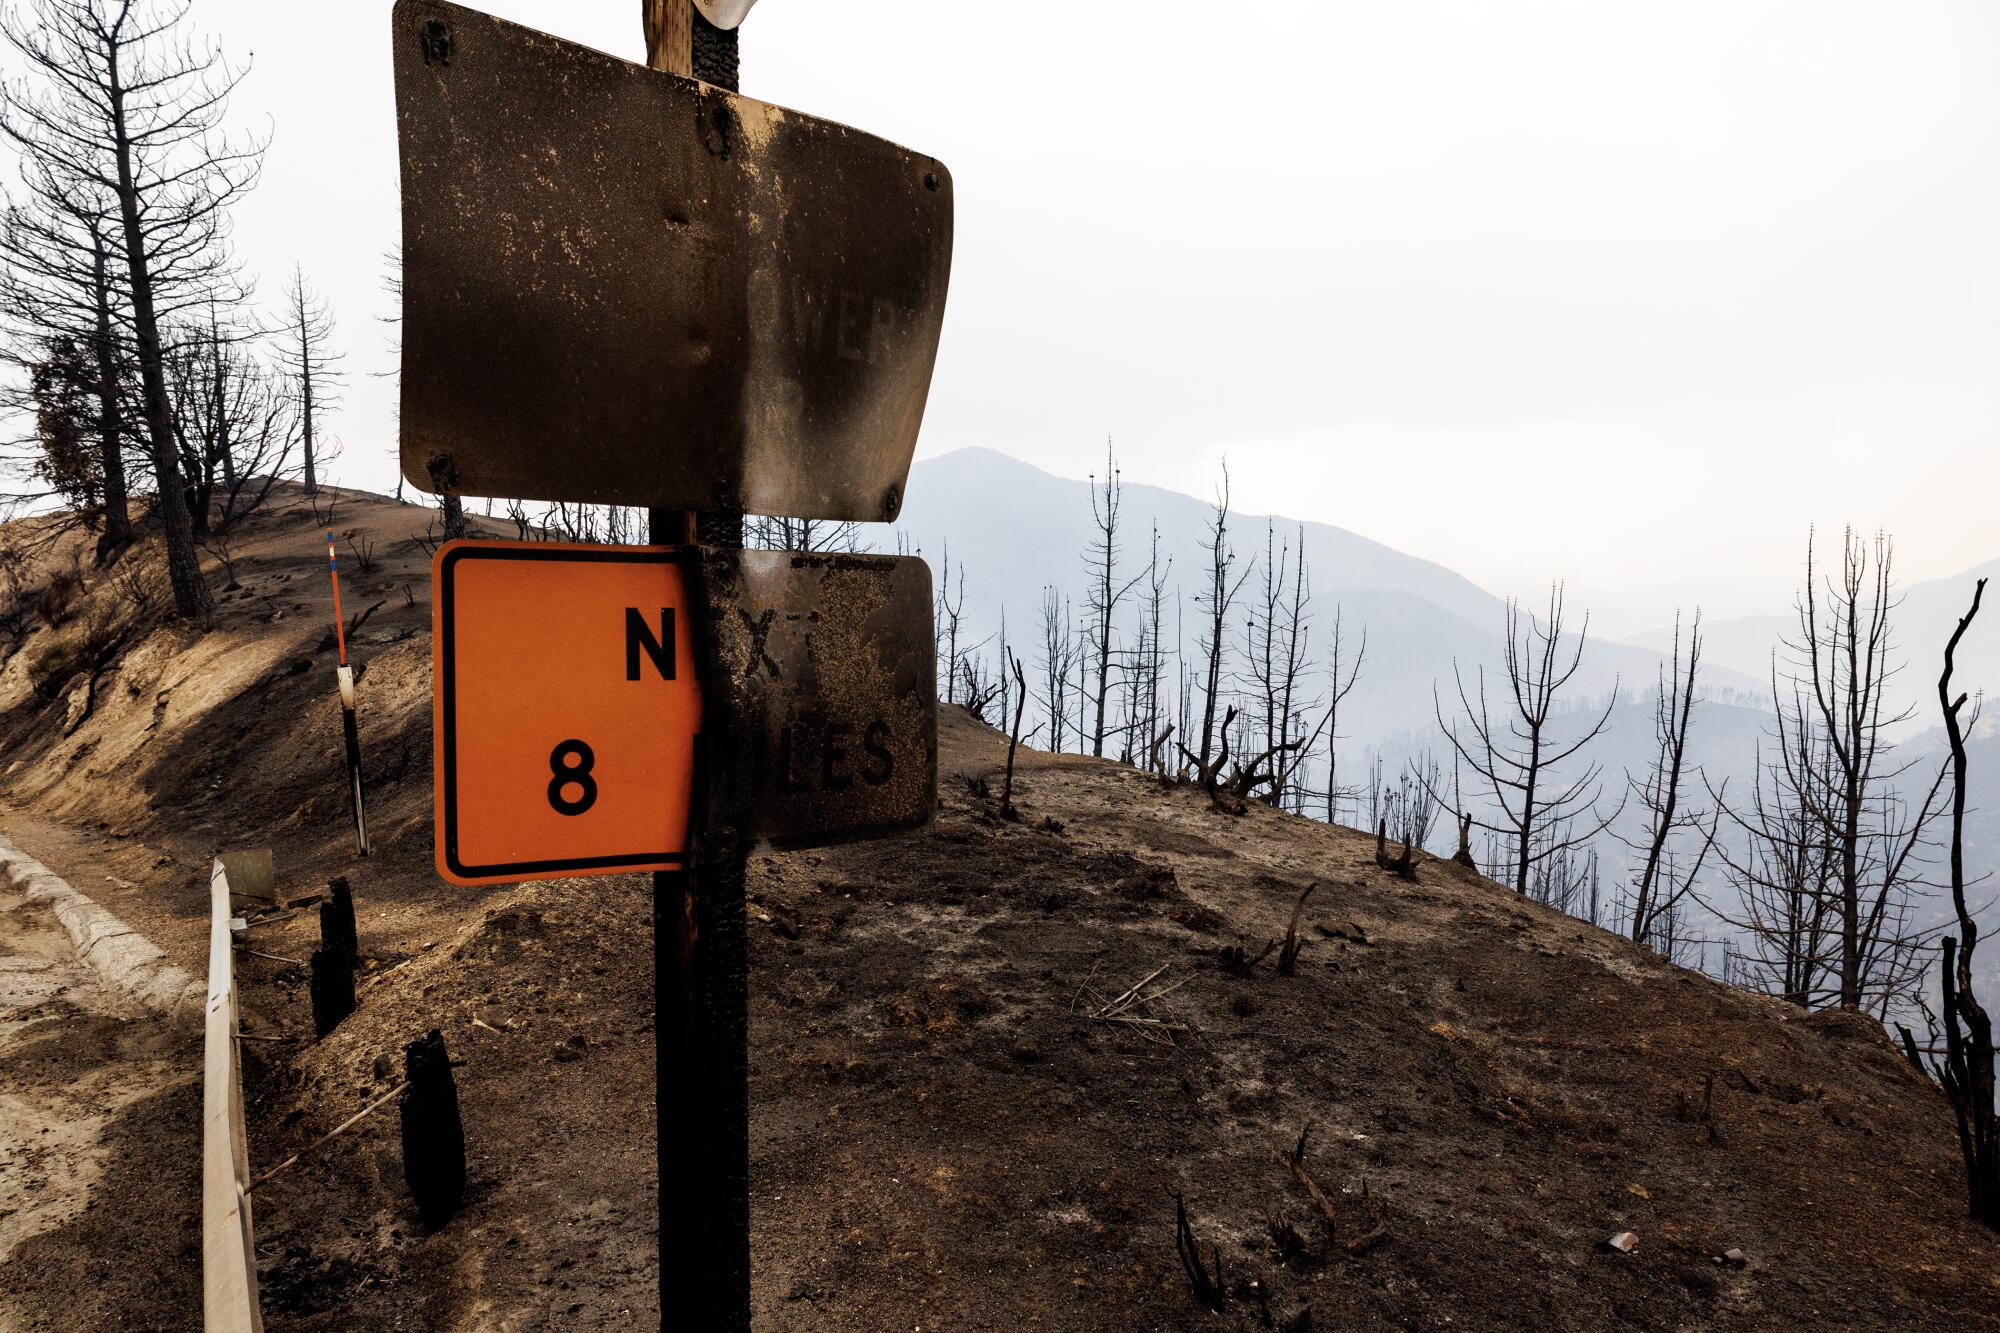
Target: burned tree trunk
(1014,735)
(1967,1072)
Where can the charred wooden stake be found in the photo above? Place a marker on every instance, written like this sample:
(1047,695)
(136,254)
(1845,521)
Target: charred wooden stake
(433,1136)
(1159,762)
(1464,853)
(336,921)
(1208,1288)
(1288,955)
(1295,1160)
(332,989)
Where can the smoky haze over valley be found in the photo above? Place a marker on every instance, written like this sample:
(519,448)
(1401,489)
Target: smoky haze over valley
(1013,533)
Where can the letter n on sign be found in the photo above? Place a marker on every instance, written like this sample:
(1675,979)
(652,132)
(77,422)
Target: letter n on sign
(566,707)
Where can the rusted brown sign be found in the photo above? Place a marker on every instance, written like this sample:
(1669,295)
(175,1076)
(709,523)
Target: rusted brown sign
(626,287)
(827,672)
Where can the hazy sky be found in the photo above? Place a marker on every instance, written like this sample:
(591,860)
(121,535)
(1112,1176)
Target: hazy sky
(1628,293)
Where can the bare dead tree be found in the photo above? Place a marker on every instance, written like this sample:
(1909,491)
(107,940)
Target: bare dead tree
(1215,601)
(1101,558)
(1782,874)
(1842,669)
(950,611)
(1079,725)
(1261,635)
(392,283)
(1263,770)
(123,101)
(801,534)
(1518,764)
(1058,652)
(1343,670)
(1143,667)
(977,690)
(235,425)
(1276,638)
(1565,872)
(624,525)
(313,368)
(1152,653)
(1967,1068)
(451,506)
(1014,733)
(1663,879)
(1671,939)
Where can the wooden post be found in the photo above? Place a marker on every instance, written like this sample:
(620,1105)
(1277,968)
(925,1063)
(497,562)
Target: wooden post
(433,1132)
(670,36)
(700,949)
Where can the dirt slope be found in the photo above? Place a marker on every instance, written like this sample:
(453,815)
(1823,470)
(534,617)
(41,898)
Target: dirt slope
(943,1136)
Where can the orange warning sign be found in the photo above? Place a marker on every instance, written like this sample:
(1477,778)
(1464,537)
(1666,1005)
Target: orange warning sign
(565,709)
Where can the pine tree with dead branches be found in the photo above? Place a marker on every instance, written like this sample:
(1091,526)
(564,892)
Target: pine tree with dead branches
(313,368)
(121,101)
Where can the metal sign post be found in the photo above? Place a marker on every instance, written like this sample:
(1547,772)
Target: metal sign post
(634,286)
(701,954)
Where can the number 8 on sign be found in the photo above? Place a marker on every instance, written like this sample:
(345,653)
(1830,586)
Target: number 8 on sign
(571,763)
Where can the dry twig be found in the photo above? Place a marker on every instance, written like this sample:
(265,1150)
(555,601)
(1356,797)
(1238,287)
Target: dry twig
(340,1128)
(1121,1009)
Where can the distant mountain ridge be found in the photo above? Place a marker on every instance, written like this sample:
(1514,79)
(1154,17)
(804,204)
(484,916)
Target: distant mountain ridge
(1012,530)
(965,485)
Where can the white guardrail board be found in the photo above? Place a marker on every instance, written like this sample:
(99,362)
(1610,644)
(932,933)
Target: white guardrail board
(228,1253)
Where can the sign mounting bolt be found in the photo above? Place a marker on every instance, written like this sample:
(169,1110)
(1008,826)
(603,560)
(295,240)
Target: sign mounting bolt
(892,501)
(434,39)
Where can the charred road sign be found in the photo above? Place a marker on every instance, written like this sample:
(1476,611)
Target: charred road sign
(626,287)
(572,684)
(830,673)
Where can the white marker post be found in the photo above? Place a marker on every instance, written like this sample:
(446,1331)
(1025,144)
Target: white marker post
(349,725)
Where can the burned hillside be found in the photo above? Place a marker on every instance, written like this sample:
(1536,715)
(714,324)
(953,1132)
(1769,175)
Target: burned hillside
(989,1061)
